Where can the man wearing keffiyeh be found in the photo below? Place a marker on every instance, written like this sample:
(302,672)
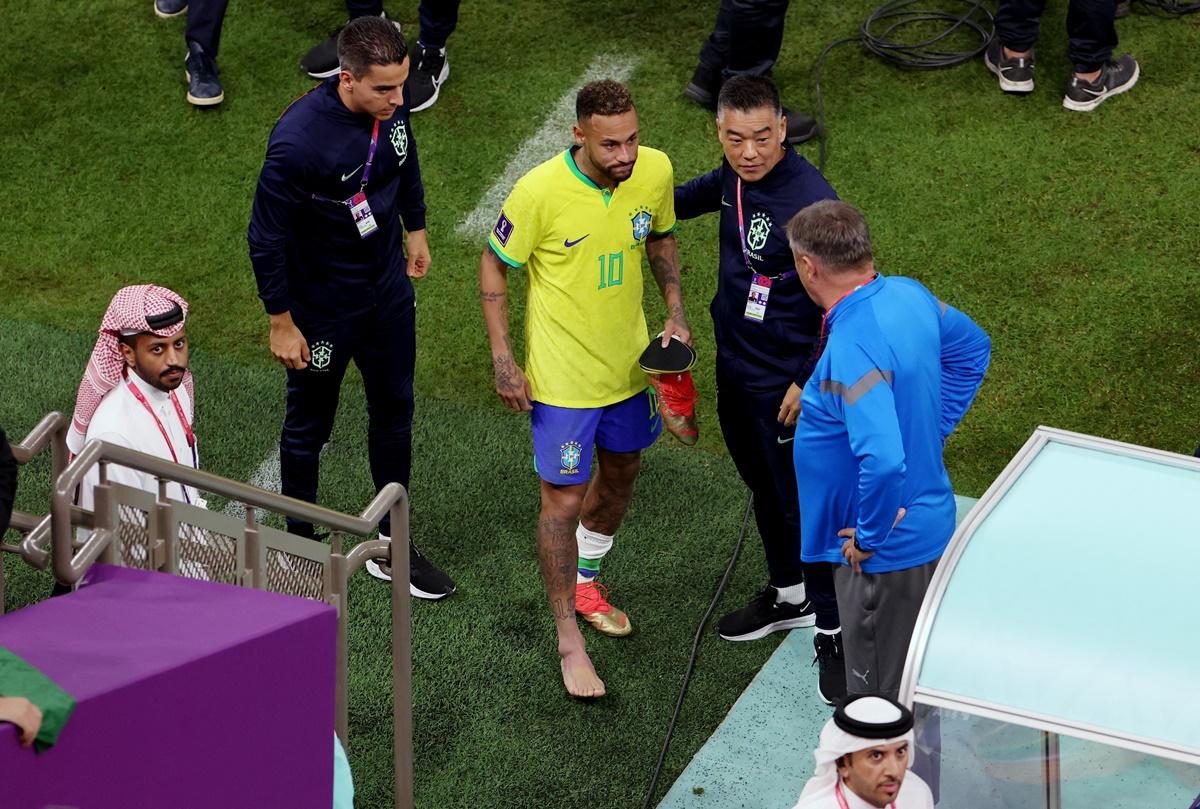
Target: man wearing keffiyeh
(863,759)
(137,390)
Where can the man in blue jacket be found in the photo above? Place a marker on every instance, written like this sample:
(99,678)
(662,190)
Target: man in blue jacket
(329,254)
(897,371)
(765,327)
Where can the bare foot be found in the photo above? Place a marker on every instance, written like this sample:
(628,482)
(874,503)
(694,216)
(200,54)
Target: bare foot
(579,676)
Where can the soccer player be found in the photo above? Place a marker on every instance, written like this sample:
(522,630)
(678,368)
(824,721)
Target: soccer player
(580,223)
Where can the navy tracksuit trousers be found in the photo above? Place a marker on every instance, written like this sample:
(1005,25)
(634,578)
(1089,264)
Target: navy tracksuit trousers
(438,18)
(1090,29)
(761,449)
(382,343)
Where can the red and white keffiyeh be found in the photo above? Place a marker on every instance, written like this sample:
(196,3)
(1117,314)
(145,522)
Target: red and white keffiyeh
(127,312)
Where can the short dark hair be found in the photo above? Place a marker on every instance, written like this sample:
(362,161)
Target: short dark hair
(604,97)
(369,41)
(746,93)
(832,231)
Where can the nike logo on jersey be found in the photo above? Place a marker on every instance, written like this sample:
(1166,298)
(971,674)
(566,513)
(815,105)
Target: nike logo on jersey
(779,439)
(726,204)
(569,243)
(353,171)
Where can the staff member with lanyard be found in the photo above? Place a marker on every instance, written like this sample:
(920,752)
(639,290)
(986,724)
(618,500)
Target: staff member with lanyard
(329,254)
(766,328)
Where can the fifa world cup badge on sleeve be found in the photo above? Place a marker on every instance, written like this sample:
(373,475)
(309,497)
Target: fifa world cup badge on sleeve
(504,229)
(756,301)
(364,220)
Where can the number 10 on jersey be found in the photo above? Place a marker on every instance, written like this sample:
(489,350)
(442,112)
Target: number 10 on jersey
(612,269)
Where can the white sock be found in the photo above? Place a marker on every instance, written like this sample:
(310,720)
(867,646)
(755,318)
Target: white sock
(790,595)
(592,547)
(820,631)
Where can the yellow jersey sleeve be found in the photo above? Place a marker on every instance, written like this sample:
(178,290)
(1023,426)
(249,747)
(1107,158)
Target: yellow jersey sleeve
(664,212)
(518,228)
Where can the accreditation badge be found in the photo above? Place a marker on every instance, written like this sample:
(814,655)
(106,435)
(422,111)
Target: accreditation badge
(756,301)
(364,220)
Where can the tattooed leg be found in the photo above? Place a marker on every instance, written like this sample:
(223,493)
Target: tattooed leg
(558,557)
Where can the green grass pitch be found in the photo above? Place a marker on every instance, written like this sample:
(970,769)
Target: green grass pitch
(1072,238)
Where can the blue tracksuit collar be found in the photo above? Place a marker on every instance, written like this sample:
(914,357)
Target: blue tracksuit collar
(854,298)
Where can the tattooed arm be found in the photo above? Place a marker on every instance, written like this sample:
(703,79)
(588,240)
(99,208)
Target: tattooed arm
(511,384)
(663,254)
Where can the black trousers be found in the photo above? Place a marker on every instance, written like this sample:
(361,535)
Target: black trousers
(754,436)
(746,38)
(1090,29)
(382,344)
(204,21)
(438,18)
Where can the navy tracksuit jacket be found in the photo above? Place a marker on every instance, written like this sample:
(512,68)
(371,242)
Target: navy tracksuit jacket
(350,296)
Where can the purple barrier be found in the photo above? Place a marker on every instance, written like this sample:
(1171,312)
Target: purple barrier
(188,694)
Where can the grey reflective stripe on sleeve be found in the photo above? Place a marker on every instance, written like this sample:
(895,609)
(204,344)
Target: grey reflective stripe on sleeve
(852,393)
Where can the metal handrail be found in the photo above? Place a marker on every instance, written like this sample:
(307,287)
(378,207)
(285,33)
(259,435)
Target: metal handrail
(50,431)
(70,566)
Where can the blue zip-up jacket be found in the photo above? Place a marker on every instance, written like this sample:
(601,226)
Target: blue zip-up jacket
(771,355)
(898,372)
(307,255)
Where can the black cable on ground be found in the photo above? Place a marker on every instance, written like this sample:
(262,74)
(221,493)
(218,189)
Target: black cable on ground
(691,666)
(879,35)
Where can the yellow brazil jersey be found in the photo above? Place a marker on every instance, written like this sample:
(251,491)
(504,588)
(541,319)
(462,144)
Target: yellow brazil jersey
(583,248)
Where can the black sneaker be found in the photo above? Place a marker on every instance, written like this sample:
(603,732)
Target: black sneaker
(169,8)
(1015,75)
(1115,77)
(204,86)
(321,61)
(831,672)
(800,127)
(704,86)
(762,616)
(429,69)
(425,579)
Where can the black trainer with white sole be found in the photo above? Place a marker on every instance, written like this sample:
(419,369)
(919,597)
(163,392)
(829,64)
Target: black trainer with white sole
(430,69)
(204,83)
(831,671)
(321,61)
(764,615)
(425,579)
(1115,77)
(1015,75)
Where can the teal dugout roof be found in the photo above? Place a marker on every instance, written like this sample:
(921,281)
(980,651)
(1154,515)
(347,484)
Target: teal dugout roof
(1067,600)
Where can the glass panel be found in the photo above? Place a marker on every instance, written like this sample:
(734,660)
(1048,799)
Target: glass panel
(982,763)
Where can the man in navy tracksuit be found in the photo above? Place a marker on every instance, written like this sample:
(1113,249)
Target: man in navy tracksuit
(766,327)
(896,375)
(328,250)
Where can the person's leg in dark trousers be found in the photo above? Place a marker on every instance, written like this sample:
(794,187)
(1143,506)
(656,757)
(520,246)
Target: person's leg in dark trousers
(755,36)
(386,355)
(439,18)
(714,54)
(1091,33)
(1017,23)
(312,401)
(753,436)
(204,21)
(364,8)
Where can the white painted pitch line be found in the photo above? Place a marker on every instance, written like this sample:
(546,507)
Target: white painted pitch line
(553,136)
(265,477)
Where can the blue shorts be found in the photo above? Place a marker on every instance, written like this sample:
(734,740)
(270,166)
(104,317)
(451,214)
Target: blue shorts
(563,437)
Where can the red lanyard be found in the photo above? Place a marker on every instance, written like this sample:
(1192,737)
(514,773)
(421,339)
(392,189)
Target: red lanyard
(841,799)
(187,428)
(742,238)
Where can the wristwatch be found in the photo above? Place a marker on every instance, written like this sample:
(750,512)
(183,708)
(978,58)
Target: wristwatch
(858,547)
